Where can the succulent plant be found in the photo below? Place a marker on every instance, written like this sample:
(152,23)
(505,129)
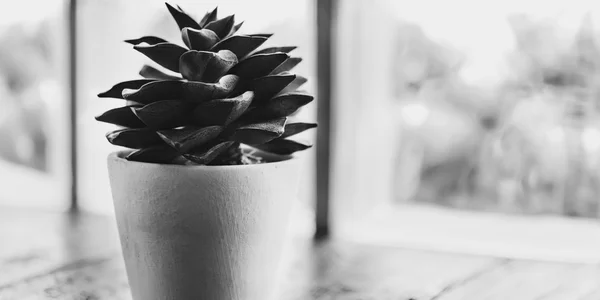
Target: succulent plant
(222,99)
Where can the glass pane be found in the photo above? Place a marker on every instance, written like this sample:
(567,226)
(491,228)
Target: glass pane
(105,60)
(34,100)
(467,106)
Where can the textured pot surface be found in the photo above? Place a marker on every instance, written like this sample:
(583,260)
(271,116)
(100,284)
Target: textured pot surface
(202,232)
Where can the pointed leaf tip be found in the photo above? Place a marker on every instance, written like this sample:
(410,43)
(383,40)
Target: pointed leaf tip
(287,65)
(267,35)
(117,89)
(281,106)
(121,116)
(296,128)
(259,133)
(294,85)
(284,49)
(283,146)
(259,65)
(150,40)
(200,40)
(182,19)
(269,86)
(209,17)
(222,27)
(240,45)
(165,54)
(155,91)
(236,28)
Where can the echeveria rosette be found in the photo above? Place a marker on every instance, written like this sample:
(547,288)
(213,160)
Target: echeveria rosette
(219,92)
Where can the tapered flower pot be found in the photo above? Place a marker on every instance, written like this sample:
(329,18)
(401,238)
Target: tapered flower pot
(202,232)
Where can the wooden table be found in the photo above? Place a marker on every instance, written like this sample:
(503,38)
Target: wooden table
(53,256)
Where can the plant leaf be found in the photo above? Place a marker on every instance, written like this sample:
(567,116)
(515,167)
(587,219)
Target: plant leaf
(285,49)
(206,66)
(222,27)
(183,20)
(200,40)
(259,133)
(122,116)
(195,91)
(222,111)
(287,65)
(155,91)
(283,146)
(281,106)
(236,28)
(165,54)
(150,40)
(295,128)
(161,154)
(209,17)
(267,35)
(136,138)
(204,155)
(240,45)
(294,85)
(258,65)
(186,138)
(164,114)
(117,89)
(267,87)
(150,72)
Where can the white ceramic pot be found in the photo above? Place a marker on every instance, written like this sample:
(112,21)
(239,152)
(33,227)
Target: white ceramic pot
(202,232)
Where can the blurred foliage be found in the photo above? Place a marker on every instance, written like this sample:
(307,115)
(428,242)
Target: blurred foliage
(547,55)
(516,146)
(25,62)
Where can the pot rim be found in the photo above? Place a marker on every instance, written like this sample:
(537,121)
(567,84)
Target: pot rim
(120,156)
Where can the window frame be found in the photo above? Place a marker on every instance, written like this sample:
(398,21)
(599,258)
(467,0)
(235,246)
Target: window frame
(417,226)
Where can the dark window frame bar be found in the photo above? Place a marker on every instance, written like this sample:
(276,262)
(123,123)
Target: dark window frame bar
(326,18)
(72,61)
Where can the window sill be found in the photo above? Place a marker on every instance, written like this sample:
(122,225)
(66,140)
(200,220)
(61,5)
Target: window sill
(545,238)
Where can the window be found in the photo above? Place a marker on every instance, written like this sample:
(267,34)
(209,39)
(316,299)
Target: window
(456,125)
(34,136)
(468,126)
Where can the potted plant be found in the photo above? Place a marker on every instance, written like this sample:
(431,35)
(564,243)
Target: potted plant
(203,199)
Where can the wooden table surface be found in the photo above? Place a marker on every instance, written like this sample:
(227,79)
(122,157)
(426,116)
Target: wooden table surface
(54,256)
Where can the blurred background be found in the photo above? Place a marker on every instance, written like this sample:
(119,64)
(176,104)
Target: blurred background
(441,110)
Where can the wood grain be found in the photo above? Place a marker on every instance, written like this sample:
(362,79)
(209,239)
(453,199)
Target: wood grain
(77,257)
